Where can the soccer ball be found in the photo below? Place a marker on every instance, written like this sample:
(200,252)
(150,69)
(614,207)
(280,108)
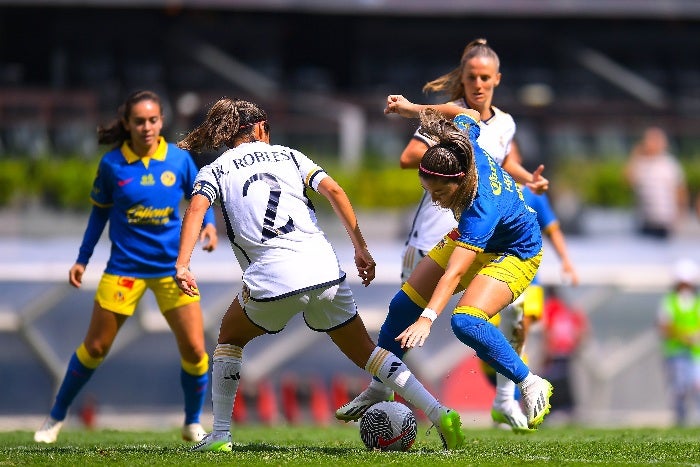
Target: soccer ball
(388,426)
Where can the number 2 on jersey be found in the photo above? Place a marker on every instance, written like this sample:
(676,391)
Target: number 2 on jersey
(269,231)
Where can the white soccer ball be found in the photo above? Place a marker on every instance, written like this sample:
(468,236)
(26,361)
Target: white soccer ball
(388,426)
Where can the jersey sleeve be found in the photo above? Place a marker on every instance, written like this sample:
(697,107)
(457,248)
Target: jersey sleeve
(102,186)
(191,175)
(311,173)
(95,226)
(205,184)
(546,217)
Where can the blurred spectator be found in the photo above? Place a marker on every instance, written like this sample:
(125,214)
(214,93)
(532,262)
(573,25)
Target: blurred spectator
(565,329)
(659,185)
(679,326)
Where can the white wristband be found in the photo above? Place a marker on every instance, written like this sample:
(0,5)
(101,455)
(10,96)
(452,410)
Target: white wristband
(430,314)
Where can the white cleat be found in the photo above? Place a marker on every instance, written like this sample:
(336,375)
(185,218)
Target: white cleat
(356,408)
(193,432)
(48,433)
(536,401)
(512,415)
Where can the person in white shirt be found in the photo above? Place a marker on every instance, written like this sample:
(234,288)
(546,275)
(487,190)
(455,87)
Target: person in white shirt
(288,265)
(659,185)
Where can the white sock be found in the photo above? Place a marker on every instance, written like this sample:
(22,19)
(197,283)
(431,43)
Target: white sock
(394,373)
(381,390)
(511,324)
(529,379)
(226,376)
(505,390)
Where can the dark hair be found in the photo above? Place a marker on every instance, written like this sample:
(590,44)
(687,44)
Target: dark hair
(451,83)
(115,133)
(227,120)
(451,160)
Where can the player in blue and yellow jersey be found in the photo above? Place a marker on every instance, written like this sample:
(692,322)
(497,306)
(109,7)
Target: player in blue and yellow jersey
(515,320)
(139,186)
(492,256)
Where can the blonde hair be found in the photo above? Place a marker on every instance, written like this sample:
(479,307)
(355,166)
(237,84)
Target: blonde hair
(451,83)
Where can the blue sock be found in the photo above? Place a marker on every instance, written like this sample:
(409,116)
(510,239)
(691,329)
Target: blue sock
(490,345)
(76,376)
(195,388)
(402,313)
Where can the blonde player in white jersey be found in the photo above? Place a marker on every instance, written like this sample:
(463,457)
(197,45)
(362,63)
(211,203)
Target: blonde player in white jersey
(469,86)
(288,265)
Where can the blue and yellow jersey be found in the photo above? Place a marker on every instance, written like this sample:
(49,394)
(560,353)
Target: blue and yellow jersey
(143,196)
(546,218)
(498,221)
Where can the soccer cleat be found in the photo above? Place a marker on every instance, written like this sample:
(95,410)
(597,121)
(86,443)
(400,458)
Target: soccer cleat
(356,408)
(48,433)
(214,442)
(193,432)
(536,401)
(511,414)
(450,429)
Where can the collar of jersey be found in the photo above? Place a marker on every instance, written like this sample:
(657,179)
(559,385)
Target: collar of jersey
(159,155)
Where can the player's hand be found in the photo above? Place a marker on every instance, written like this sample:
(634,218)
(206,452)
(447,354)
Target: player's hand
(75,275)
(415,334)
(569,275)
(539,184)
(397,104)
(185,280)
(365,265)
(209,237)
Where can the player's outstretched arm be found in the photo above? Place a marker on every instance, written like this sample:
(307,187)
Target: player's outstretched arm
(189,234)
(340,202)
(397,104)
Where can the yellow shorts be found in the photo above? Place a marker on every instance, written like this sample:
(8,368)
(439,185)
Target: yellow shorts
(515,272)
(533,304)
(121,294)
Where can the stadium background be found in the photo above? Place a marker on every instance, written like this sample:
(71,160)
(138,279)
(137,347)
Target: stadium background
(580,77)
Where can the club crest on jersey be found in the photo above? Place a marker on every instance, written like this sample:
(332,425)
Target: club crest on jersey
(167,178)
(119,297)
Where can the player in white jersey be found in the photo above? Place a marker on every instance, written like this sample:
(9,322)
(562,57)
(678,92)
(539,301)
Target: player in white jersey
(471,85)
(288,265)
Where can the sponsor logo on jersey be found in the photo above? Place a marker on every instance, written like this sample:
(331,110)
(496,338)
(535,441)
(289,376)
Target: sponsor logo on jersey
(127,282)
(148,215)
(125,181)
(147,180)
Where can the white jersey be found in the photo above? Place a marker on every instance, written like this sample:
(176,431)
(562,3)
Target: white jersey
(431,223)
(270,221)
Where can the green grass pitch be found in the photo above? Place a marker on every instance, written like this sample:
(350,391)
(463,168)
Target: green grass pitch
(340,445)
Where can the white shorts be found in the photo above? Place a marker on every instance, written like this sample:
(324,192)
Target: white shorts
(324,308)
(410,257)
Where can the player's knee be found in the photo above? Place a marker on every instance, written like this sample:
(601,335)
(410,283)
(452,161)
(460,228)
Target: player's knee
(200,367)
